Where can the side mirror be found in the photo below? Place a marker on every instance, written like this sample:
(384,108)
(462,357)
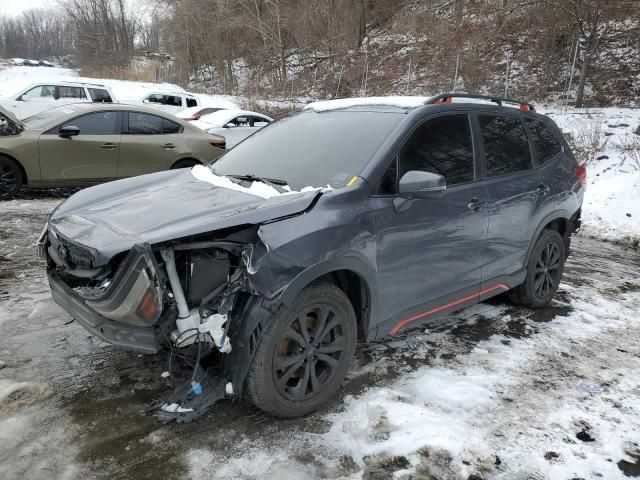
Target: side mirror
(68,131)
(419,184)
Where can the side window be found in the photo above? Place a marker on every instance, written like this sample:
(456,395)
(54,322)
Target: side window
(98,123)
(67,92)
(191,102)
(170,127)
(258,121)
(99,95)
(174,101)
(389,181)
(156,98)
(41,92)
(145,124)
(545,144)
(442,145)
(505,144)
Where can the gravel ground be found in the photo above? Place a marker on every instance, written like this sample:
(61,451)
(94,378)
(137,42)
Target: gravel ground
(74,407)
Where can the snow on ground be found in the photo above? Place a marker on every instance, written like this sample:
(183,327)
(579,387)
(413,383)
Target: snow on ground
(14,79)
(507,409)
(611,207)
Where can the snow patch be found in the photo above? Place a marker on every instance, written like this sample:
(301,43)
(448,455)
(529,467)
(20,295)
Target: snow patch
(15,395)
(399,101)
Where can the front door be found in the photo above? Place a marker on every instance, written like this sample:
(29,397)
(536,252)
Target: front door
(91,156)
(430,251)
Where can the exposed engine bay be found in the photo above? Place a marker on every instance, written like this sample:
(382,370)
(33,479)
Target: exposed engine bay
(186,291)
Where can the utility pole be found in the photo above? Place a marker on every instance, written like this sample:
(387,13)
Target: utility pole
(455,78)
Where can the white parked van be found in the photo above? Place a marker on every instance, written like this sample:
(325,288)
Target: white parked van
(171,102)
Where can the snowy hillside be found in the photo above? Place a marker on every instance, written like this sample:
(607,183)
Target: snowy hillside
(606,140)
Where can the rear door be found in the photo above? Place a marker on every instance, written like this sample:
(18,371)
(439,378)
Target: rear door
(91,156)
(430,251)
(150,143)
(515,193)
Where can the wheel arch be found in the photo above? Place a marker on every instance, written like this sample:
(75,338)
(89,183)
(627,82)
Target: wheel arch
(559,221)
(184,159)
(351,275)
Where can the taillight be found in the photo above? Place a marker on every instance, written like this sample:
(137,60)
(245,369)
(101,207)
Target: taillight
(196,117)
(222,145)
(581,173)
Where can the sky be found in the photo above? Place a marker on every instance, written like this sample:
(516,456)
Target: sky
(13,7)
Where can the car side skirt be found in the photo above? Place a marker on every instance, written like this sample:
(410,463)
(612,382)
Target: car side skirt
(441,307)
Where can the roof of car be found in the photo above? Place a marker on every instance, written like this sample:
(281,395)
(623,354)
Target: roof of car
(406,103)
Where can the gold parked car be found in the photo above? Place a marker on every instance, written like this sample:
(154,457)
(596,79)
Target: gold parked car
(84,144)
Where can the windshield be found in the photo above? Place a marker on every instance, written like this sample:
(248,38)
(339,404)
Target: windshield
(311,149)
(47,117)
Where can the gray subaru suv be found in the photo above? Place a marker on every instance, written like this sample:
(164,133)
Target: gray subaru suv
(331,226)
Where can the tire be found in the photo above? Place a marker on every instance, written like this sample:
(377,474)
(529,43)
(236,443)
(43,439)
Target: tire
(281,377)
(11,178)
(544,272)
(185,163)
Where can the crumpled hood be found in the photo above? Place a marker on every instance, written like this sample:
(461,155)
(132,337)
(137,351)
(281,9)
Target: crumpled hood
(112,217)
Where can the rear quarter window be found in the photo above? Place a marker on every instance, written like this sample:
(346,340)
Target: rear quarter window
(545,144)
(100,95)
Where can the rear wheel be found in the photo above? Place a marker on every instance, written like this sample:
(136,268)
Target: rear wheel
(185,163)
(305,353)
(11,178)
(544,271)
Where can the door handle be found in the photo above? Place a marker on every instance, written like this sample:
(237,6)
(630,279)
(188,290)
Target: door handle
(108,146)
(476,204)
(168,146)
(543,189)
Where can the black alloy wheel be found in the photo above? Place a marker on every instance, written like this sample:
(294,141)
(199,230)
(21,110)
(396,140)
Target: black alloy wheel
(10,178)
(309,353)
(548,271)
(304,353)
(544,271)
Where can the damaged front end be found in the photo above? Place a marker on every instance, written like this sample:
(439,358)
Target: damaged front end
(177,296)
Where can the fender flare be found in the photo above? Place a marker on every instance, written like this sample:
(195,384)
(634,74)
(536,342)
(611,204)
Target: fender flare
(353,261)
(259,311)
(563,214)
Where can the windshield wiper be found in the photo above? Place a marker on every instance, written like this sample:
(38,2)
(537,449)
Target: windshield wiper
(274,182)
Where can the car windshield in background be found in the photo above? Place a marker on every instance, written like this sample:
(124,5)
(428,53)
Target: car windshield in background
(45,118)
(311,149)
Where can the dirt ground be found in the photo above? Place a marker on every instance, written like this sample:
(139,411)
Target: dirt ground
(72,406)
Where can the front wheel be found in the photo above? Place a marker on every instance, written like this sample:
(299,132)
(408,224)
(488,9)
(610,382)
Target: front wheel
(544,271)
(10,178)
(305,353)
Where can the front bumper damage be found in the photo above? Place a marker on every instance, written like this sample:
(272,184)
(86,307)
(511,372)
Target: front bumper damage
(147,304)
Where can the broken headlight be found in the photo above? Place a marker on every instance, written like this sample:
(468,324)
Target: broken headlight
(134,294)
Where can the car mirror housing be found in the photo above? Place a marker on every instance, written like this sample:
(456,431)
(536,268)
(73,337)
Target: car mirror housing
(69,131)
(416,184)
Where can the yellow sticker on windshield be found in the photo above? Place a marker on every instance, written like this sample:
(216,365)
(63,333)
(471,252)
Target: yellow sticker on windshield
(352,182)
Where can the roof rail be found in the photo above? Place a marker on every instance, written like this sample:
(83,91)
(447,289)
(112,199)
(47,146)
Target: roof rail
(448,97)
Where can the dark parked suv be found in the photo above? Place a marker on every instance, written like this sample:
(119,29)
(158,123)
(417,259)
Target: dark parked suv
(330,226)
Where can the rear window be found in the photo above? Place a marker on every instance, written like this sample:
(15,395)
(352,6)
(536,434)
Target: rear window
(145,124)
(506,145)
(100,95)
(545,143)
